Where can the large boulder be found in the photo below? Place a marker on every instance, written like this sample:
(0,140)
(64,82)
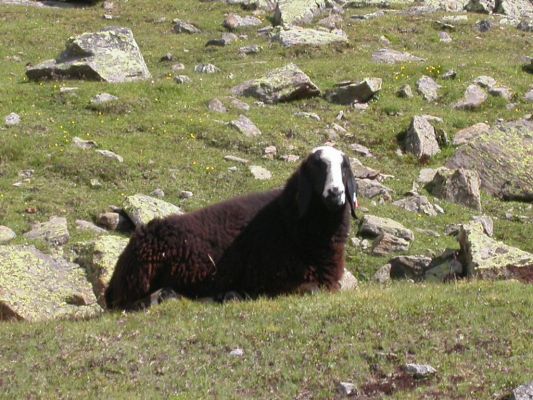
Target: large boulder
(298,36)
(279,85)
(37,287)
(354,92)
(290,12)
(54,231)
(487,258)
(421,139)
(417,203)
(110,55)
(372,225)
(473,98)
(142,209)
(460,186)
(98,258)
(502,158)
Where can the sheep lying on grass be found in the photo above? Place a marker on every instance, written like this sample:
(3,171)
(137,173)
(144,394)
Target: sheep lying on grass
(269,243)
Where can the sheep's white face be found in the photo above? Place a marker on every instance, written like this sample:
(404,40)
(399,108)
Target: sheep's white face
(333,189)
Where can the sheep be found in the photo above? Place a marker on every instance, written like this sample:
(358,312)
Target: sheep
(263,244)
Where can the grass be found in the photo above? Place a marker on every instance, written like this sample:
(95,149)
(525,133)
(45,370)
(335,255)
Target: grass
(476,335)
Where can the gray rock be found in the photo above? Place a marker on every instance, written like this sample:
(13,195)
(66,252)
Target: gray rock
(111,155)
(417,203)
(260,173)
(12,119)
(226,39)
(6,234)
(184,27)
(481,6)
(525,25)
(110,55)
(444,268)
(346,389)
(529,96)
(115,221)
(484,25)
(348,281)
(141,209)
(167,58)
(270,152)
(291,158)
(206,69)
(103,98)
(309,115)
(468,134)
(428,88)
(216,105)
(158,192)
(386,244)
(409,267)
(372,225)
(450,74)
(289,12)
(460,186)
(382,275)
(236,159)
(484,81)
(473,98)
(245,126)
(37,287)
(350,92)
(523,392)
(185,194)
(237,104)
(252,49)
(54,231)
(405,91)
(361,150)
(371,189)
(486,222)
(279,85)
(445,37)
(178,67)
(236,352)
(182,79)
(83,225)
(503,92)
(297,36)
(234,21)
(84,144)
(420,371)
(420,139)
(389,56)
(362,172)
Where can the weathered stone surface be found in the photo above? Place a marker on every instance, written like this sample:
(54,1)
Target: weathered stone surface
(279,85)
(12,119)
(237,104)
(516,9)
(260,173)
(252,49)
(421,140)
(376,3)
(297,36)
(386,244)
(184,27)
(481,6)
(290,12)
(216,105)
(83,144)
(351,92)
(111,155)
(182,79)
(417,203)
(37,287)
(502,91)
(490,259)
(428,88)
(370,189)
(473,98)
(382,275)
(234,21)
(110,55)
(236,159)
(405,92)
(420,371)
(83,225)
(485,81)
(502,158)
(206,69)
(115,221)
(226,39)
(444,268)
(245,126)
(529,96)
(409,267)
(103,98)
(445,37)
(389,56)
(98,258)
(486,222)
(361,150)
(348,281)
(361,171)
(460,186)
(372,225)
(6,234)
(346,389)
(142,209)
(523,392)
(54,231)
(467,134)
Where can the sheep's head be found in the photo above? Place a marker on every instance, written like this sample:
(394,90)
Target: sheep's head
(326,172)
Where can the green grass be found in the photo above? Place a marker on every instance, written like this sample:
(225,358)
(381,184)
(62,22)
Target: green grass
(293,346)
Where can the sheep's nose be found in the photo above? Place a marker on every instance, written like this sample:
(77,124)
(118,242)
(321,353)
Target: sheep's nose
(334,192)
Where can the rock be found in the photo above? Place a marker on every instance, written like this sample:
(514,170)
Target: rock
(350,92)
(346,389)
(481,6)
(297,36)
(370,189)
(515,9)
(450,74)
(89,226)
(237,104)
(332,21)
(484,81)
(529,96)
(185,194)
(236,159)
(83,144)
(245,126)
(361,150)
(309,115)
(289,12)
(54,231)
(460,186)
(12,119)
(111,155)
(270,152)
(279,85)
(234,21)
(110,55)
(487,258)
(236,352)
(382,275)
(372,225)
(420,371)
(348,281)
(467,134)
(428,88)
(98,258)
(37,287)
(362,172)
(206,69)
(473,98)
(184,27)
(405,91)
(502,158)
(158,192)
(386,244)
(366,17)
(182,79)
(444,268)
(501,92)
(167,58)
(68,91)
(178,67)
(6,234)
(417,203)
(141,209)
(523,392)
(216,105)
(445,37)
(409,267)
(227,38)
(252,49)
(115,221)
(389,56)
(525,25)
(103,98)
(420,139)
(484,25)
(486,222)
(260,173)
(291,158)
(428,232)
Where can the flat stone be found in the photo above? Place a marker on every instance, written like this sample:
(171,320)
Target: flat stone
(185,27)
(417,203)
(37,287)
(297,36)
(279,85)
(361,150)
(216,105)
(236,352)
(350,92)
(103,98)
(382,275)
(234,21)
(206,69)
(182,79)
(226,39)
(346,388)
(110,55)
(12,119)
(459,186)
(372,225)
(467,134)
(252,49)
(84,144)
(83,225)
(529,96)
(245,126)
(111,155)
(389,56)
(405,92)
(6,234)
(98,258)
(53,231)
(309,115)
(484,81)
(115,221)
(428,88)
(503,92)
(260,173)
(370,189)
(348,281)
(237,104)
(473,98)
(421,140)
(386,244)
(141,209)
(420,371)
(290,12)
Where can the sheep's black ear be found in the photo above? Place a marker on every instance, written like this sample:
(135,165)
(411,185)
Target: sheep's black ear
(303,196)
(350,186)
